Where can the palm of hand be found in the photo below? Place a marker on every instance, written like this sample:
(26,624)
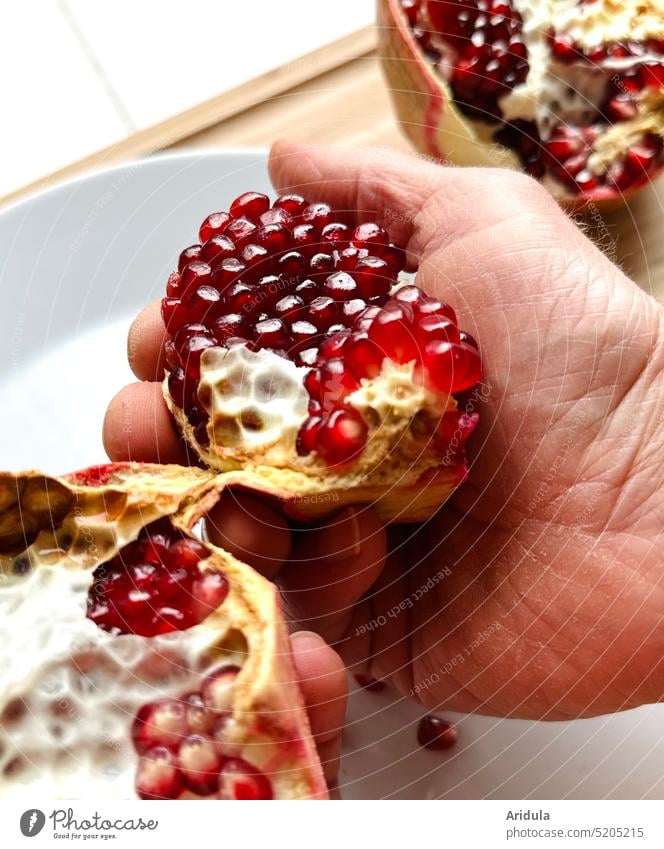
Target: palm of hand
(532,592)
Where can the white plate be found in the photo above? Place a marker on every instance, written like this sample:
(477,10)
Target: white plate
(76,263)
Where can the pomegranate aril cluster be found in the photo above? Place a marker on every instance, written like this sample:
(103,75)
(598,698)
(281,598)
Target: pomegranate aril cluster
(183,749)
(281,278)
(488,58)
(488,55)
(155,585)
(410,328)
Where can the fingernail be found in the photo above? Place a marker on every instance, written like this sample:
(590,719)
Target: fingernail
(341,538)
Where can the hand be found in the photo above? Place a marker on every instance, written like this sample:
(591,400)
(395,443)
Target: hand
(537,591)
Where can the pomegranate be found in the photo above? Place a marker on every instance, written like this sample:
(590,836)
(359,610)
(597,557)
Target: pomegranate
(303,364)
(571,91)
(435,733)
(140,661)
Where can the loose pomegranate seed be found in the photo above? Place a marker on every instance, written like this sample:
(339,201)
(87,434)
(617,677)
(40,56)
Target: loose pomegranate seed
(342,436)
(214,225)
(190,254)
(250,205)
(240,780)
(200,761)
(217,689)
(435,733)
(158,776)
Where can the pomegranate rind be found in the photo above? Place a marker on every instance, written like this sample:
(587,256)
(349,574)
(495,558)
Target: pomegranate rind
(81,523)
(429,117)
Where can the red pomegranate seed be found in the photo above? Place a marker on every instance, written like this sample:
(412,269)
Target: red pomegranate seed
(337,234)
(320,266)
(158,776)
(276,238)
(271,333)
(305,239)
(275,216)
(190,254)
(435,733)
(452,368)
(174,317)
(454,429)
(368,682)
(289,307)
(292,266)
(187,553)
(318,214)
(336,382)
(240,780)
(395,257)
(352,309)
(180,389)
(162,723)
(230,326)
(190,355)
(312,384)
(308,290)
(620,108)
(270,290)
(365,319)
(217,689)
(250,205)
(229,271)
(342,436)
(195,275)
(217,249)
(208,592)
(307,437)
(340,287)
(200,761)
(173,286)
(294,205)
(257,261)
(199,719)
(204,304)
(303,334)
(214,225)
(240,231)
(363,356)
(430,327)
(241,298)
(322,312)
(374,277)
(187,332)
(369,236)
(333,345)
(347,259)
(393,332)
(171,355)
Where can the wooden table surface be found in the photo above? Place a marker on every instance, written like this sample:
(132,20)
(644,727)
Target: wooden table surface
(337,95)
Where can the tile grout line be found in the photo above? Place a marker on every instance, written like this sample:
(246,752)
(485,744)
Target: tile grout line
(97,67)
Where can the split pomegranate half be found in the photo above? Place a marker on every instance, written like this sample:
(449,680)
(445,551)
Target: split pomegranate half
(299,355)
(138,660)
(571,91)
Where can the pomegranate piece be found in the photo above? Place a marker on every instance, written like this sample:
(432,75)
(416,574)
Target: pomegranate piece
(435,733)
(590,77)
(294,281)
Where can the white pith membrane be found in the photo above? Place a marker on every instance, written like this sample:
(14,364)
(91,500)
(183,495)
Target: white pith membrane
(69,691)
(555,92)
(257,403)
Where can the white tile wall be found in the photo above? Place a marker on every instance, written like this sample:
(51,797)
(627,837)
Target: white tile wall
(81,74)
